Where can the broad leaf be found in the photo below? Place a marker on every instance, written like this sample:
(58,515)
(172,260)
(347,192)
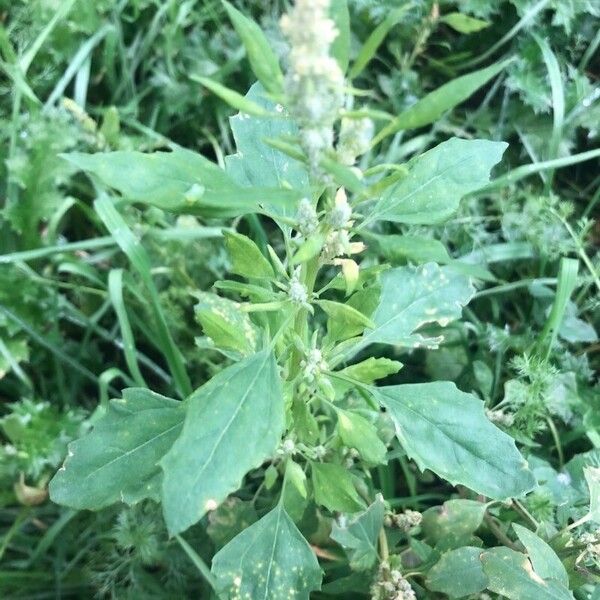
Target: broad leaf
(446,430)
(544,560)
(334,488)
(257,163)
(358,433)
(458,573)
(344,320)
(412,297)
(458,518)
(510,574)
(118,459)
(358,536)
(180,181)
(436,182)
(268,560)
(418,249)
(431,107)
(226,325)
(233,423)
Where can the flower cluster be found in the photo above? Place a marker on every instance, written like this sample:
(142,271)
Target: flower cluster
(306,218)
(354,139)
(338,240)
(297,290)
(391,585)
(313,365)
(404,521)
(314,82)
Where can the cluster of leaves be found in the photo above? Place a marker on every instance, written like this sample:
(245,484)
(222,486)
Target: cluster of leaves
(326,366)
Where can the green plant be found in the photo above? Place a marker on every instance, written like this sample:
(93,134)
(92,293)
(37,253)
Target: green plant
(367,320)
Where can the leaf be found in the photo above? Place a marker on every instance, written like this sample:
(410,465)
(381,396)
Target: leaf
(543,558)
(464,23)
(436,182)
(436,103)
(412,297)
(258,164)
(375,39)
(340,48)
(510,574)
(295,493)
(344,320)
(446,430)
(334,488)
(270,559)
(359,536)
(180,181)
(592,477)
(118,460)
(305,424)
(418,249)
(232,97)
(262,59)
(458,518)
(358,433)
(458,573)
(233,423)
(226,325)
(371,369)
(246,258)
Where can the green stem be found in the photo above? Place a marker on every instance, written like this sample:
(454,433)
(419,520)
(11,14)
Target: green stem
(308,277)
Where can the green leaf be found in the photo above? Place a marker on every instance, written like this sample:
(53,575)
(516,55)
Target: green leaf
(117,460)
(510,574)
(233,423)
(232,97)
(464,23)
(375,39)
(436,182)
(413,248)
(262,59)
(358,433)
(458,518)
(246,258)
(458,573)
(340,48)
(258,164)
(412,297)
(180,181)
(544,560)
(436,103)
(226,325)
(295,493)
(359,535)
(305,424)
(371,369)
(344,320)
(334,488)
(592,477)
(446,430)
(271,559)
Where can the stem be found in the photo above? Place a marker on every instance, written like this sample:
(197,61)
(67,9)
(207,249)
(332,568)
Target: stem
(198,562)
(308,277)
